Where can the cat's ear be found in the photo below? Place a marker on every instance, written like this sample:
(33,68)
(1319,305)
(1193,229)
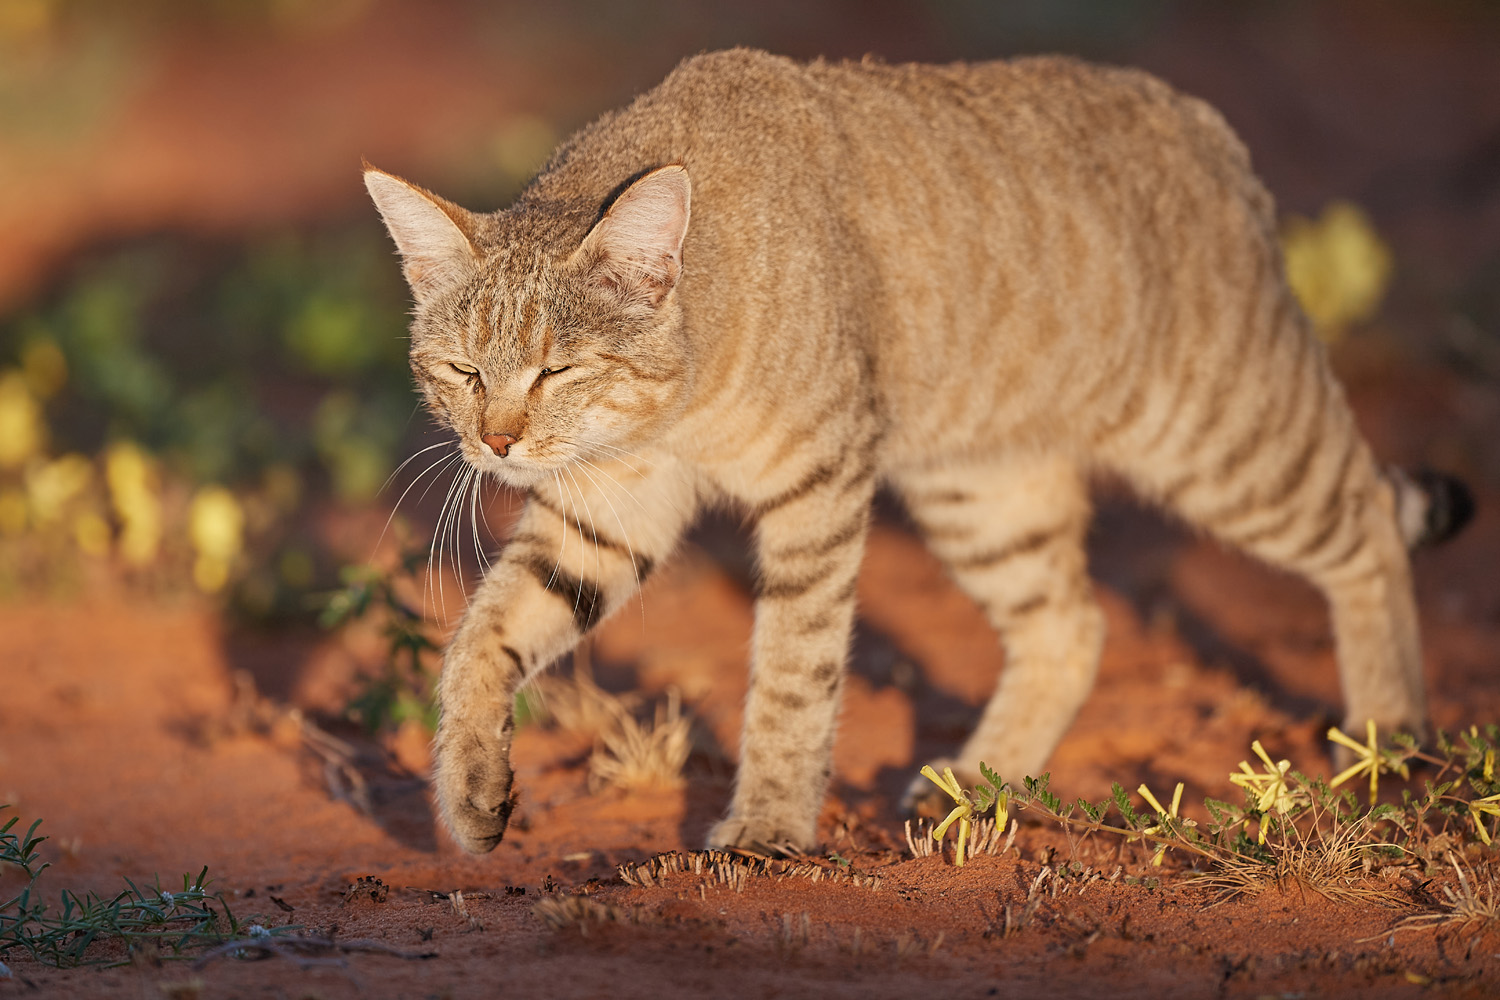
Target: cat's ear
(636,249)
(433,235)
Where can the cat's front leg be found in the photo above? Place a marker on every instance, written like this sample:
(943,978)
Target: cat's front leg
(561,573)
(809,542)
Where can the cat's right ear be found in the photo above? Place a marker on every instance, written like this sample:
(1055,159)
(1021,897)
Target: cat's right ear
(635,251)
(432,234)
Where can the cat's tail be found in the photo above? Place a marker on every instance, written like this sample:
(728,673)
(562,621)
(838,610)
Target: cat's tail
(1431,507)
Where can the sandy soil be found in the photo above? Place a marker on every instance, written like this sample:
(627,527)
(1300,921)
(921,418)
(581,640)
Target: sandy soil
(124,727)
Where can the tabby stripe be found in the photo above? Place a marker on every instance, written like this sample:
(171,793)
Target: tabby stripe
(843,536)
(789,700)
(939,497)
(817,477)
(1294,476)
(585,600)
(1344,556)
(527,538)
(639,372)
(1130,412)
(775,589)
(1275,529)
(1331,506)
(1024,545)
(589,533)
(1029,606)
(862,475)
(515,658)
(1321,537)
(1243,451)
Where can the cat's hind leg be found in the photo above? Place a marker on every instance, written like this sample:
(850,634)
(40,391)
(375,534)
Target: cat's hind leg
(1011,534)
(1287,478)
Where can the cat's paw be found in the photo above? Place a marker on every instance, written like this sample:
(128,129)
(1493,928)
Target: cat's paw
(761,837)
(473,783)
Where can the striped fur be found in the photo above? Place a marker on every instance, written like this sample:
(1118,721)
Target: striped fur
(776,285)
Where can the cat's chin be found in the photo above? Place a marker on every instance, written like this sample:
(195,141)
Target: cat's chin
(516,475)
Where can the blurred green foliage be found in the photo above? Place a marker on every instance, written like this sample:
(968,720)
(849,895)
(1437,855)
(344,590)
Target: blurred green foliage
(275,368)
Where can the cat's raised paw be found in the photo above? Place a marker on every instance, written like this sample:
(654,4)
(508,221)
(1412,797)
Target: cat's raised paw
(474,795)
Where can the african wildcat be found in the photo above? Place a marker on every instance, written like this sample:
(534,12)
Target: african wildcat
(776,285)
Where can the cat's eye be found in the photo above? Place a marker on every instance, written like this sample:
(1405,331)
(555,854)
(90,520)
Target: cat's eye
(467,370)
(552,371)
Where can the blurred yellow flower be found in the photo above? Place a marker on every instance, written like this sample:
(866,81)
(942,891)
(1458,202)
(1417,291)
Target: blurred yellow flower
(92,533)
(1337,265)
(216,524)
(133,489)
(51,485)
(23,433)
(12,512)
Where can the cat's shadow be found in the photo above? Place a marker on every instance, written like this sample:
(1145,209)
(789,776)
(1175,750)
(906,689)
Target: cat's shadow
(1132,549)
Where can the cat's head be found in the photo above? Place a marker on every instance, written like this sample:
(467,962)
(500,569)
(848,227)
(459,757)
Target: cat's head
(540,347)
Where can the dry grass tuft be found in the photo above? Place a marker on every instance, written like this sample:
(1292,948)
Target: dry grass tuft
(629,752)
(637,754)
(562,912)
(1474,907)
(735,870)
(1328,860)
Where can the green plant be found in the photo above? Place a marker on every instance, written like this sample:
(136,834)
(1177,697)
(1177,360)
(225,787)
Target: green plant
(134,916)
(402,689)
(1309,832)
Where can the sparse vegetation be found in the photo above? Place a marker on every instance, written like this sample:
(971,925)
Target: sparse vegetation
(150,917)
(1310,834)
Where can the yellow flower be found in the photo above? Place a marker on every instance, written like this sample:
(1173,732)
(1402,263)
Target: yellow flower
(216,524)
(1370,758)
(1337,266)
(1270,789)
(1161,828)
(1490,804)
(961,812)
(49,487)
(23,433)
(133,490)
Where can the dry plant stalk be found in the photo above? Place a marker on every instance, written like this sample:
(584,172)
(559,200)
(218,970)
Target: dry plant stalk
(987,837)
(628,752)
(559,912)
(1474,907)
(636,754)
(579,705)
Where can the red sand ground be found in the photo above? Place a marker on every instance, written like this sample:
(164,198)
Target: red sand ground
(120,725)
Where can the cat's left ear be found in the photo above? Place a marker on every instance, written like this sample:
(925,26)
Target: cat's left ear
(636,249)
(433,235)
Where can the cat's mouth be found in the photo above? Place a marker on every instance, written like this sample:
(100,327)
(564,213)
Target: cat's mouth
(519,468)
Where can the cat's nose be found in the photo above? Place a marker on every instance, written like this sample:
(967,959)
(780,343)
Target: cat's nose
(500,443)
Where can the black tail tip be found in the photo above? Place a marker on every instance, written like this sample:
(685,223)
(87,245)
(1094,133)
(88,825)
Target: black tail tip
(1450,505)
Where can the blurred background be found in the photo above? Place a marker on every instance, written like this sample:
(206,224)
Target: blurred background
(203,386)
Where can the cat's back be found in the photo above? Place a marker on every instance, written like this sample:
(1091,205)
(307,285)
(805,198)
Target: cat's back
(1019,222)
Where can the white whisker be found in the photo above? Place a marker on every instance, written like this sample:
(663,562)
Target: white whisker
(624,535)
(399,500)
